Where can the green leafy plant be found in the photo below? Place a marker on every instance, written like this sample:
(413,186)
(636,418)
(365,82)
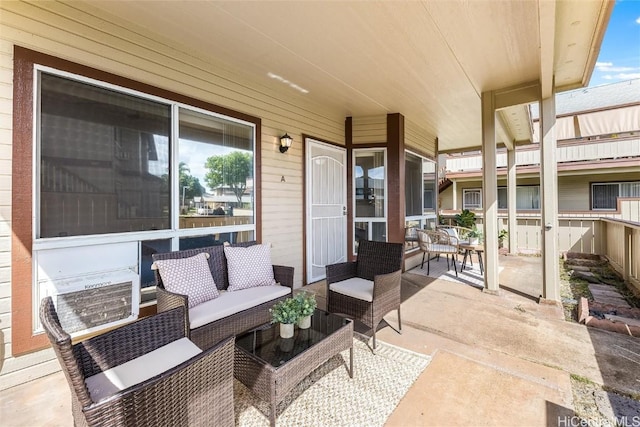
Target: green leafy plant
(466,219)
(306,303)
(475,232)
(287,311)
(502,235)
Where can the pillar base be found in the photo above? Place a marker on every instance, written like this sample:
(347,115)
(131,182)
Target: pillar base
(495,292)
(546,301)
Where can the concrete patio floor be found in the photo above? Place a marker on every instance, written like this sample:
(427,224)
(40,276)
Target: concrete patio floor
(497,360)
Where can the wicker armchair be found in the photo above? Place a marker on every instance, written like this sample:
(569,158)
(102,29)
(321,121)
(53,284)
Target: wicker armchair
(197,391)
(368,288)
(436,242)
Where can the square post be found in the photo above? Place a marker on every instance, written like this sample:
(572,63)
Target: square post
(490,193)
(549,194)
(512,201)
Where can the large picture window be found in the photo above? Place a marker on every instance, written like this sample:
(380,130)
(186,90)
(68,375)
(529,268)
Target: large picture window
(115,162)
(604,196)
(101,167)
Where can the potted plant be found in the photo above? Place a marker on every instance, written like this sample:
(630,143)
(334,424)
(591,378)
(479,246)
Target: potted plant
(306,305)
(501,236)
(474,236)
(286,313)
(466,219)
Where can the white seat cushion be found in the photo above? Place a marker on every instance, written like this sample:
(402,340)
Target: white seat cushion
(355,287)
(111,381)
(438,248)
(229,303)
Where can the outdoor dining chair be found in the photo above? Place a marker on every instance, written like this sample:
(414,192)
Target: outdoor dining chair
(437,242)
(146,373)
(368,288)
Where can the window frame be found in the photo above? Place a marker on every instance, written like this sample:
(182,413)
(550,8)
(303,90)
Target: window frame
(592,198)
(23,182)
(471,190)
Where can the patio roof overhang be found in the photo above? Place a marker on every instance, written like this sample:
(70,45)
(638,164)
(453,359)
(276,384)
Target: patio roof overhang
(430,61)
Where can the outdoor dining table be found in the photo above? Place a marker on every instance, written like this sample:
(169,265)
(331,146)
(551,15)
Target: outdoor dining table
(468,250)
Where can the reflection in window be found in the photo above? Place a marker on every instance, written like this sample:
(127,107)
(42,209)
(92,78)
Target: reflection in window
(420,196)
(101,169)
(369,176)
(216,171)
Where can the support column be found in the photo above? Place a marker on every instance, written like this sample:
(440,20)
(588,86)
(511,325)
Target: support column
(490,193)
(512,201)
(549,194)
(395,178)
(454,191)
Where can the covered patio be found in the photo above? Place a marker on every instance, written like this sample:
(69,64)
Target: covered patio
(379,89)
(495,361)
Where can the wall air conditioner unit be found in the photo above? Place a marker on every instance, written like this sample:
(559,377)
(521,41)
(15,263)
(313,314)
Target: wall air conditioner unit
(92,302)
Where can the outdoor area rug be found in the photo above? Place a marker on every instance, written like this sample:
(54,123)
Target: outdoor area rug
(469,276)
(328,397)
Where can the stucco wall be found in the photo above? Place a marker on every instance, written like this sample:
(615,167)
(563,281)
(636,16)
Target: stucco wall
(91,39)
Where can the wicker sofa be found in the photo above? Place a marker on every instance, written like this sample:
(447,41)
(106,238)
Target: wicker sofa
(232,312)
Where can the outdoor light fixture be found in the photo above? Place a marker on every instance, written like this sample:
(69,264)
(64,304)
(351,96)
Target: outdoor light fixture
(285,142)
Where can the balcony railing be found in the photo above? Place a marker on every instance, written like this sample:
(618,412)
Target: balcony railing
(617,239)
(566,152)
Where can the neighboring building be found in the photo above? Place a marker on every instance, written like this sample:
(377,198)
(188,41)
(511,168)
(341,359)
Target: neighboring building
(598,156)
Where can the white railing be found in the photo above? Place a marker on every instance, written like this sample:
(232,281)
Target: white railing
(622,248)
(616,239)
(568,152)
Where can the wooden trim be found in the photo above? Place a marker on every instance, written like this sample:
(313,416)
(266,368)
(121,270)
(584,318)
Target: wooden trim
(348,139)
(22,338)
(395,178)
(257,181)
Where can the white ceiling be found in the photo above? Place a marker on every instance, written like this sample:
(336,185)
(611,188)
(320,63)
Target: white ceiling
(428,60)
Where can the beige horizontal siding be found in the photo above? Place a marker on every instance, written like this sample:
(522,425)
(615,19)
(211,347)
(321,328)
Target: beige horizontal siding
(90,38)
(369,130)
(419,139)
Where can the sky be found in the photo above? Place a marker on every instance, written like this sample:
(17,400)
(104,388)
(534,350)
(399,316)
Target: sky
(619,57)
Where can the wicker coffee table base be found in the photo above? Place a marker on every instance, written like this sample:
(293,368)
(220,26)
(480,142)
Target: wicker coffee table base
(272,384)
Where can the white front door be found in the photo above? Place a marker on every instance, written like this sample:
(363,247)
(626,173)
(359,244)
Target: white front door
(326,185)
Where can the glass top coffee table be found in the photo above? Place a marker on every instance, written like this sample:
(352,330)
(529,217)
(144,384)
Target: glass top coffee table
(271,366)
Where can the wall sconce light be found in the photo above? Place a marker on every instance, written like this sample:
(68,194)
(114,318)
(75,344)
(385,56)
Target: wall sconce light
(285,142)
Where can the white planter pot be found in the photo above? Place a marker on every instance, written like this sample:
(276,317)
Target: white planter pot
(286,330)
(474,240)
(305,322)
